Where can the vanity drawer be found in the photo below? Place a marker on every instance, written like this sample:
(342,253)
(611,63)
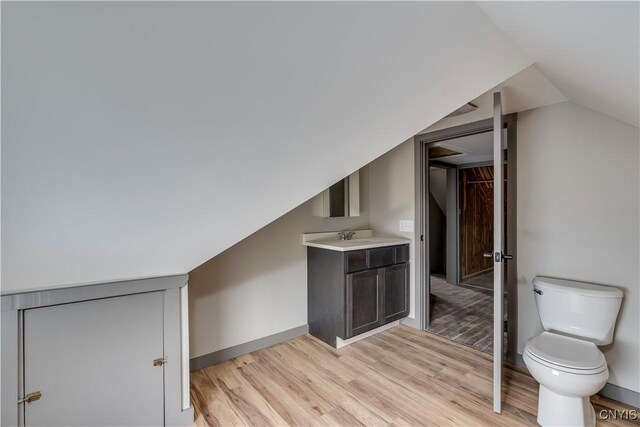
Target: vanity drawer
(355,261)
(402,254)
(381,257)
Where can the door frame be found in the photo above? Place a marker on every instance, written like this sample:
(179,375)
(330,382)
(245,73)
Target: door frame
(421,265)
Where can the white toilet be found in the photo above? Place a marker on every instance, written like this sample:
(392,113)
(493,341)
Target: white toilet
(577,317)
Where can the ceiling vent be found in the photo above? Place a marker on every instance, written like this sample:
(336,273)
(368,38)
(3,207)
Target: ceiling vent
(466,108)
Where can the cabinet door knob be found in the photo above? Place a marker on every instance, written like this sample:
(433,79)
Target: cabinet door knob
(159,361)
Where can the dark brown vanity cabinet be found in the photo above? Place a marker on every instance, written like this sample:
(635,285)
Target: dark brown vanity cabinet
(353,292)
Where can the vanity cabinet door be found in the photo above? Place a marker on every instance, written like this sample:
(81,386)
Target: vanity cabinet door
(395,286)
(363,302)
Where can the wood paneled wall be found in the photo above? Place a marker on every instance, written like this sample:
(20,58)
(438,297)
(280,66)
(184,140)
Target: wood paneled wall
(476,222)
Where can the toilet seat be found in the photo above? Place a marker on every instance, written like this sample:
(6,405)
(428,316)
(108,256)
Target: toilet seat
(566,354)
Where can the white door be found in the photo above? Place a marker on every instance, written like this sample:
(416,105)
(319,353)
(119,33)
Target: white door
(499,257)
(92,362)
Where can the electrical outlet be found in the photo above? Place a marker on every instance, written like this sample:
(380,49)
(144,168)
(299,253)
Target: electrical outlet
(406,225)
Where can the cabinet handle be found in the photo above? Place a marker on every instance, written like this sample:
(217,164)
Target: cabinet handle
(159,361)
(31,397)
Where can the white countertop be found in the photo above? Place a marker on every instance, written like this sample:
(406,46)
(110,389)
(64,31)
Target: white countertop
(362,240)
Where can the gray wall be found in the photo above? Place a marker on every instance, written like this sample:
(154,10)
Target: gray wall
(438,237)
(258,287)
(438,186)
(438,220)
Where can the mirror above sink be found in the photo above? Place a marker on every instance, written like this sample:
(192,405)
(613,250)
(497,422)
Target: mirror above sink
(343,198)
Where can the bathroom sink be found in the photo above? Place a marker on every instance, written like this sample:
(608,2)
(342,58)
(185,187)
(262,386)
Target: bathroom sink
(361,241)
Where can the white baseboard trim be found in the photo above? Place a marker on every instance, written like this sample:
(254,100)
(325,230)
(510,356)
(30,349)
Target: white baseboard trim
(341,343)
(411,322)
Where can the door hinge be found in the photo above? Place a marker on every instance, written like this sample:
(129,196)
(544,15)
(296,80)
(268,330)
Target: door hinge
(31,397)
(506,328)
(159,361)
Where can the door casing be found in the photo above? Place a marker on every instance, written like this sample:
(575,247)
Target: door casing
(421,265)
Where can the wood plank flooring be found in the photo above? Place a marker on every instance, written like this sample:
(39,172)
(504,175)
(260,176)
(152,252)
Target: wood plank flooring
(396,378)
(483,281)
(462,314)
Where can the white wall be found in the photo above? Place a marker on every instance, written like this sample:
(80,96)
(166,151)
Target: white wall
(391,198)
(143,138)
(589,49)
(578,217)
(258,287)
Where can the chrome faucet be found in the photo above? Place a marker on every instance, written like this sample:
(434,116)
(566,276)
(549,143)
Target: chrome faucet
(346,235)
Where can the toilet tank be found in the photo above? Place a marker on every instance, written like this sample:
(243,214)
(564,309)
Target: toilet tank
(578,309)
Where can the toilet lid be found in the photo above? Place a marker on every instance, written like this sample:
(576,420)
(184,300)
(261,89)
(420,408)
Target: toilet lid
(566,351)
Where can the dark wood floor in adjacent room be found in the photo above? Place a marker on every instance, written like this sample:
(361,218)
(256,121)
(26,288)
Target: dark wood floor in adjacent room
(482,281)
(463,314)
(399,377)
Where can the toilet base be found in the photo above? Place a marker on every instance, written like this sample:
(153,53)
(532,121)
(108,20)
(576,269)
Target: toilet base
(558,410)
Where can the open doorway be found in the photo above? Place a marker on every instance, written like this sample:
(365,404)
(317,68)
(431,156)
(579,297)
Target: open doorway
(458,173)
(461,296)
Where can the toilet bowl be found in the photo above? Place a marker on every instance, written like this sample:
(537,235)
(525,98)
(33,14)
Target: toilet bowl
(569,371)
(577,317)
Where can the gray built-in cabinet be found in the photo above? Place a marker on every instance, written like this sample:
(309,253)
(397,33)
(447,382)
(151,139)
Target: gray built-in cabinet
(102,355)
(353,292)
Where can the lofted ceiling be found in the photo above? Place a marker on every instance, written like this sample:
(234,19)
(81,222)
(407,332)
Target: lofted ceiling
(588,50)
(141,139)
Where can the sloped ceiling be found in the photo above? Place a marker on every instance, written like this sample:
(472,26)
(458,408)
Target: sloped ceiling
(141,139)
(589,50)
(524,91)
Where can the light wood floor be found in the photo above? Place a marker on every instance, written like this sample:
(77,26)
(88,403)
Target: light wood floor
(396,378)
